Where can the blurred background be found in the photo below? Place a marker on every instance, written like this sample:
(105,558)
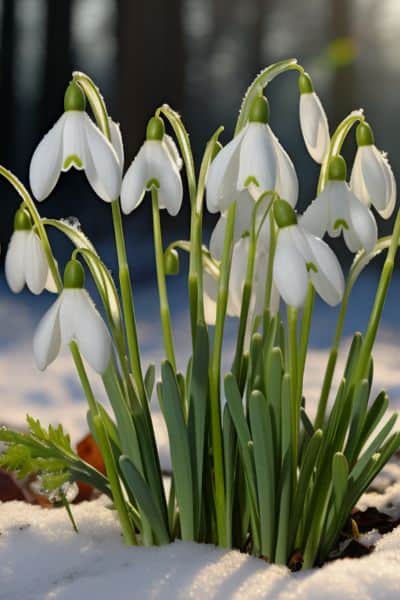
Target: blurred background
(199,56)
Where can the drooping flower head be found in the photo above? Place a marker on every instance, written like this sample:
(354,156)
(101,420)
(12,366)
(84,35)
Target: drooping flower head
(253,158)
(301,257)
(157,164)
(313,121)
(73,316)
(372,178)
(26,262)
(75,141)
(338,210)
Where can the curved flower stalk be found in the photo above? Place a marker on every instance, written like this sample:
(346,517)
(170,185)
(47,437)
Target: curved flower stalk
(73,317)
(26,261)
(301,257)
(337,210)
(372,178)
(254,157)
(75,141)
(313,120)
(157,166)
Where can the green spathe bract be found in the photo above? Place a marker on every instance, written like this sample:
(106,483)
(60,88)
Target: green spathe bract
(261,474)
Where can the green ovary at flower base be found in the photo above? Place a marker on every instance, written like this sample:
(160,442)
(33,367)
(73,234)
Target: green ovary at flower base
(296,482)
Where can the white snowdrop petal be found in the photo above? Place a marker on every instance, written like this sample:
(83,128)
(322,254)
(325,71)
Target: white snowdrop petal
(289,271)
(357,184)
(14,262)
(338,201)
(47,338)
(219,176)
(314,126)
(257,157)
(103,170)
(287,183)
(91,333)
(35,264)
(68,315)
(315,218)
(74,140)
(238,272)
(164,169)
(46,162)
(210,289)
(328,280)
(117,142)
(244,212)
(386,213)
(374,176)
(172,149)
(362,222)
(134,183)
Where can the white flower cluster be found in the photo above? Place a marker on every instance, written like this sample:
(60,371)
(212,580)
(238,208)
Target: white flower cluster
(250,165)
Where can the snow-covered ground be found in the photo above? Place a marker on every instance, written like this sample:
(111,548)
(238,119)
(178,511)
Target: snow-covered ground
(41,557)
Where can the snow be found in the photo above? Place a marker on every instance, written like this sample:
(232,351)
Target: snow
(41,558)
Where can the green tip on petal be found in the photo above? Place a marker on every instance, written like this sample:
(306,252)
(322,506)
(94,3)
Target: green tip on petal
(284,214)
(74,98)
(259,110)
(74,275)
(337,168)
(217,148)
(364,135)
(155,129)
(22,220)
(171,262)
(305,84)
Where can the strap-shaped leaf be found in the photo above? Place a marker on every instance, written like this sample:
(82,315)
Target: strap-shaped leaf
(260,413)
(340,474)
(198,409)
(145,500)
(171,406)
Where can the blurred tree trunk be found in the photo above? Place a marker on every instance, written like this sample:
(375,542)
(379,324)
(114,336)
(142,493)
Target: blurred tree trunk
(7,82)
(57,61)
(261,12)
(151,63)
(343,84)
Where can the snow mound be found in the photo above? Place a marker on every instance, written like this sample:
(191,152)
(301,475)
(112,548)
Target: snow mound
(41,558)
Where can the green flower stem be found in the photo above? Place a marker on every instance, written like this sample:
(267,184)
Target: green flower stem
(305,334)
(100,113)
(244,311)
(112,473)
(270,265)
(330,367)
(215,373)
(379,302)
(336,144)
(162,286)
(127,302)
(80,367)
(292,317)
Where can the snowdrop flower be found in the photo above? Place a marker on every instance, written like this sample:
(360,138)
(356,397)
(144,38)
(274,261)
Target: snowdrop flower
(301,257)
(156,165)
(254,157)
(313,121)
(73,317)
(236,283)
(372,178)
(26,261)
(337,209)
(75,141)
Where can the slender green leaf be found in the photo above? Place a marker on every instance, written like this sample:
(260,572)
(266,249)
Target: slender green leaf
(171,406)
(145,499)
